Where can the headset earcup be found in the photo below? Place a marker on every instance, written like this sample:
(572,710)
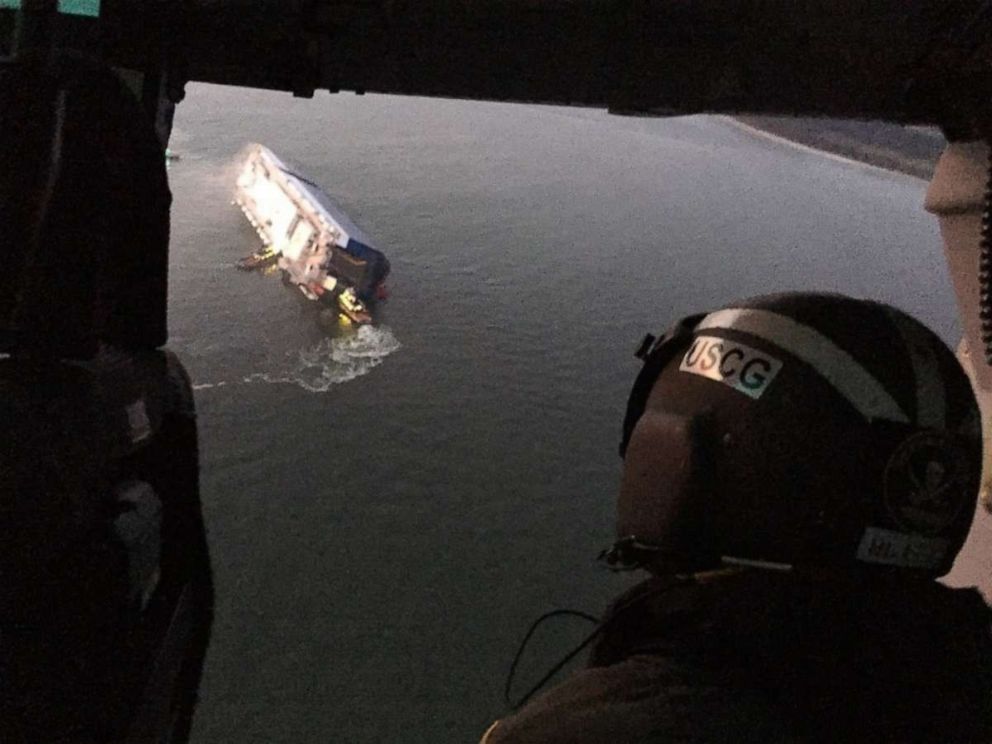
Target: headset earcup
(639,394)
(654,362)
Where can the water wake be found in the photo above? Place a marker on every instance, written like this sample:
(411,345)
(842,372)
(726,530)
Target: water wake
(333,360)
(208,385)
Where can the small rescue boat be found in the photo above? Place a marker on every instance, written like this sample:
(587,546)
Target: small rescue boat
(353,308)
(259,260)
(348,304)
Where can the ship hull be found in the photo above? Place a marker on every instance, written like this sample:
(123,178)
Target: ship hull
(308,235)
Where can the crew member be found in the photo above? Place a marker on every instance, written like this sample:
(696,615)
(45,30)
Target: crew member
(798,470)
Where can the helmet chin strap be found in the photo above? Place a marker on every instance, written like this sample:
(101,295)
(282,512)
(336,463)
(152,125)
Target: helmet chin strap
(751,563)
(631,553)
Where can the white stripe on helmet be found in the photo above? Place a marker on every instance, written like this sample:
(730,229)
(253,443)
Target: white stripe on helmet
(834,364)
(931,405)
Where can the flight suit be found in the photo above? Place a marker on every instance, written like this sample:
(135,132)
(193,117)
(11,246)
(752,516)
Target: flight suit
(758,656)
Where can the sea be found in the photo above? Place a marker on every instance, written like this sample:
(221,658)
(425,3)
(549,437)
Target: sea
(389,508)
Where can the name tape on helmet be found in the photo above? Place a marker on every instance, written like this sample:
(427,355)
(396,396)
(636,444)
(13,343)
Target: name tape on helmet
(736,365)
(890,548)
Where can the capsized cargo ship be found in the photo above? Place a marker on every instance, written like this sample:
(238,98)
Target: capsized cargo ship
(309,237)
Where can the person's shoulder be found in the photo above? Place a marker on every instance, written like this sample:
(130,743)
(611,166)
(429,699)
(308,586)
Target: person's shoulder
(617,703)
(645,699)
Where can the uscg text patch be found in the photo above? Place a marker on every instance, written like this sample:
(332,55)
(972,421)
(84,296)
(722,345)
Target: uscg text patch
(736,365)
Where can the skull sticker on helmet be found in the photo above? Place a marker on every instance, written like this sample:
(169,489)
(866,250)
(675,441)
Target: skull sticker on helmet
(925,483)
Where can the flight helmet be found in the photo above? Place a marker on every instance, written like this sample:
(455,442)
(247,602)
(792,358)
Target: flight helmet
(84,204)
(800,430)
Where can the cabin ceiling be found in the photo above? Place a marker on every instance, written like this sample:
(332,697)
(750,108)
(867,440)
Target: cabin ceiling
(909,62)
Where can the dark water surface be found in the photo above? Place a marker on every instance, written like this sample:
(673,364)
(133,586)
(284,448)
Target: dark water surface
(388,511)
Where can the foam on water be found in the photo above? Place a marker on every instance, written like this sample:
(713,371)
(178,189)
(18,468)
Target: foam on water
(333,361)
(208,385)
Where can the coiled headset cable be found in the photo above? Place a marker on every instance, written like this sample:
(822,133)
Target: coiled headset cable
(601,626)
